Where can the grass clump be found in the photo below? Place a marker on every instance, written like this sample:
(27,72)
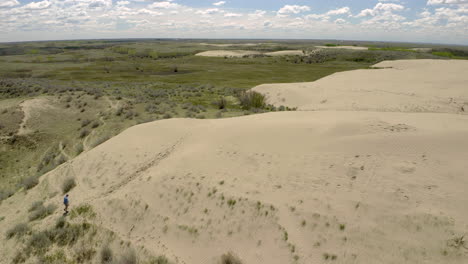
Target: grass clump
(68,184)
(40,211)
(251,99)
(106,255)
(230,258)
(5,194)
(29,182)
(84,210)
(18,230)
(159,260)
(129,257)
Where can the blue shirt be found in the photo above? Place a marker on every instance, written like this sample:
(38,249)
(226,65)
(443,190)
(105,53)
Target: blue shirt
(65,200)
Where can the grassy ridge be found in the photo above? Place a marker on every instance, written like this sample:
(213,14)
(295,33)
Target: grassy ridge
(92,90)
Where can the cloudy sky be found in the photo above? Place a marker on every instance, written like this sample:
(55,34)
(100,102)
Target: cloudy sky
(436,21)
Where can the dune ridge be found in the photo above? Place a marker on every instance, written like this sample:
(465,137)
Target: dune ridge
(384,185)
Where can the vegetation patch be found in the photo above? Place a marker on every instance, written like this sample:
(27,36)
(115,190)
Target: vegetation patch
(68,184)
(39,211)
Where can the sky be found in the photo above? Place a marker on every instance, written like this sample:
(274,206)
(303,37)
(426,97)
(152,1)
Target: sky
(429,21)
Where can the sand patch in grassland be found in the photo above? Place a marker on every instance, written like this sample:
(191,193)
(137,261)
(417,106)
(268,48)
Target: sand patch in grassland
(227,53)
(351,186)
(234,44)
(241,53)
(401,86)
(286,53)
(32,109)
(342,47)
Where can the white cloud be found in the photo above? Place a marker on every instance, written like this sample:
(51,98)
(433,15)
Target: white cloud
(339,11)
(232,15)
(448,2)
(38,5)
(381,8)
(292,9)
(209,11)
(9,3)
(164,5)
(123,3)
(220,3)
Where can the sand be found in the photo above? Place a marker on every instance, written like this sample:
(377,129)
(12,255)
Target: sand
(343,47)
(236,44)
(241,53)
(286,53)
(227,53)
(437,86)
(379,185)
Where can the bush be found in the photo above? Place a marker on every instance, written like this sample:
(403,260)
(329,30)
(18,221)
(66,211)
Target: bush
(18,230)
(42,211)
(106,255)
(159,260)
(84,133)
(221,103)
(129,257)
(36,205)
(84,254)
(95,124)
(85,122)
(68,184)
(5,194)
(39,242)
(230,258)
(29,182)
(252,99)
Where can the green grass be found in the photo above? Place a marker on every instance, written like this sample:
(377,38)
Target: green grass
(392,49)
(96,89)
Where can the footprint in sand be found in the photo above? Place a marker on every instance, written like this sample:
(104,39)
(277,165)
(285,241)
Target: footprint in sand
(405,168)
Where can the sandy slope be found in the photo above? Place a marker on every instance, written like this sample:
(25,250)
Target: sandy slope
(241,53)
(396,181)
(343,47)
(407,86)
(227,53)
(316,186)
(286,53)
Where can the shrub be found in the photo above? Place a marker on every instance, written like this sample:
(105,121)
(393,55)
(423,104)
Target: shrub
(79,148)
(29,182)
(85,122)
(129,257)
(42,212)
(84,133)
(106,255)
(68,184)
(39,242)
(230,258)
(36,205)
(221,103)
(99,141)
(84,254)
(18,230)
(5,194)
(252,99)
(95,124)
(159,260)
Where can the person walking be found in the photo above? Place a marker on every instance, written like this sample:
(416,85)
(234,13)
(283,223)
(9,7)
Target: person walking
(66,202)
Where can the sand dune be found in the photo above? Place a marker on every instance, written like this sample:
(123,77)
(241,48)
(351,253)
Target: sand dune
(227,53)
(376,186)
(241,53)
(342,47)
(402,86)
(389,187)
(286,53)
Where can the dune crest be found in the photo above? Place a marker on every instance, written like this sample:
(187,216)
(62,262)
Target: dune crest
(437,86)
